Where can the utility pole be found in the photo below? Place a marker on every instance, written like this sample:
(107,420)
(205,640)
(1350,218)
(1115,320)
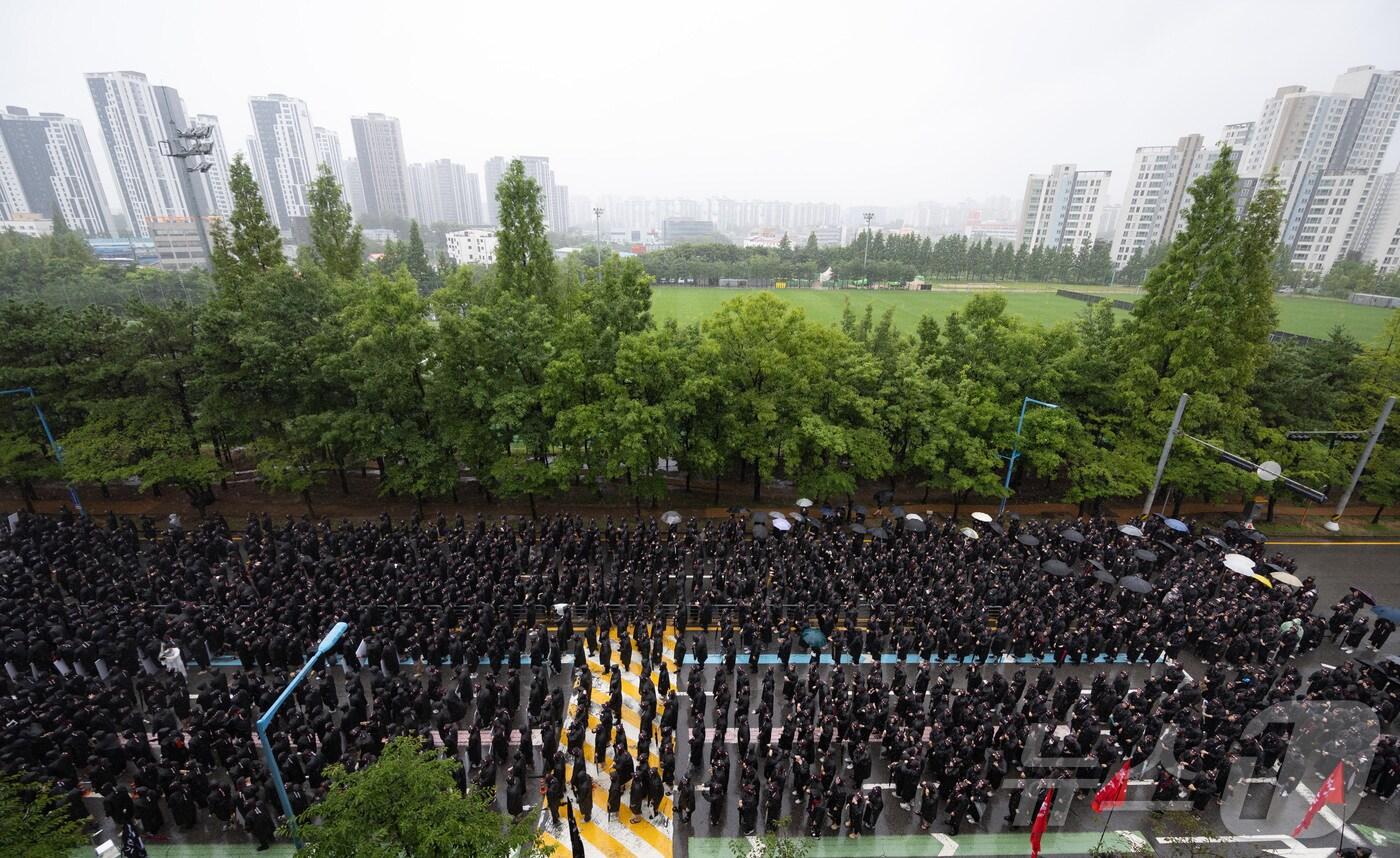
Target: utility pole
(1166,453)
(53,444)
(598,235)
(1335,524)
(869,216)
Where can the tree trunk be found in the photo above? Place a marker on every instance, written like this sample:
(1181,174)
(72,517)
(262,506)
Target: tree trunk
(1269,516)
(26,490)
(687,482)
(418,502)
(757,481)
(925,500)
(306,497)
(533,512)
(1376,519)
(716,489)
(155,489)
(383,472)
(102,487)
(957,502)
(344,483)
(1176,505)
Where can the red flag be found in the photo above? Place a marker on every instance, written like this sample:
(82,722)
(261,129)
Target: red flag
(1112,794)
(1330,793)
(1042,820)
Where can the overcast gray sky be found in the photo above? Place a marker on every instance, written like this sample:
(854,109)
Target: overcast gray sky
(858,103)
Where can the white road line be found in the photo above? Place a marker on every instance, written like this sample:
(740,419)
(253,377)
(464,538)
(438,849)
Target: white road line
(947,845)
(1331,816)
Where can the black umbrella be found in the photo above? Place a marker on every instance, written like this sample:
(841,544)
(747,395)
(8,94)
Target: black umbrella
(1069,534)
(897,512)
(884,496)
(759,517)
(1058,568)
(995,527)
(859,509)
(857,528)
(1255,536)
(916,525)
(1365,597)
(1167,547)
(1144,555)
(1232,525)
(1095,562)
(1134,584)
(879,533)
(1104,576)
(1027,540)
(760,531)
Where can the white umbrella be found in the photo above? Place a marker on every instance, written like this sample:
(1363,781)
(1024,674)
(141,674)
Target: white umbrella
(969,533)
(1239,564)
(914,516)
(776,514)
(670,516)
(1286,578)
(804,502)
(782,524)
(981,516)
(1131,530)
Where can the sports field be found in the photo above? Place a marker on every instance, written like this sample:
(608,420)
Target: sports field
(1037,302)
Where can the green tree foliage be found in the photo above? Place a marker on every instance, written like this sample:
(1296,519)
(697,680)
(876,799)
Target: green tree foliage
(1201,328)
(524,259)
(34,823)
(337,242)
(416,259)
(250,244)
(408,803)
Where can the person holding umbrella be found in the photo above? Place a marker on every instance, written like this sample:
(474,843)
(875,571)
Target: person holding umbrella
(1386,618)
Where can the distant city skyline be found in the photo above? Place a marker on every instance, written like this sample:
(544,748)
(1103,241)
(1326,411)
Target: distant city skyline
(911,104)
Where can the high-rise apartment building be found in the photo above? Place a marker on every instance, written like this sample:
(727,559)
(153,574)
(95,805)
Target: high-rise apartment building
(137,121)
(328,153)
(1157,187)
(354,186)
(1331,187)
(383,168)
(1237,135)
(1061,208)
(46,169)
(213,182)
(444,192)
(285,140)
(493,171)
(1382,238)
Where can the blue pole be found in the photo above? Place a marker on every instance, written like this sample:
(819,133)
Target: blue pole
(332,637)
(1015,449)
(53,444)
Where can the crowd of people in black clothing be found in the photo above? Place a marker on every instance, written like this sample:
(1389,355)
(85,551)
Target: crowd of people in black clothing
(137,660)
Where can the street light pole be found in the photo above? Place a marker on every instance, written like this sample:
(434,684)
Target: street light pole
(1166,452)
(598,233)
(869,216)
(327,643)
(1015,447)
(53,444)
(1335,524)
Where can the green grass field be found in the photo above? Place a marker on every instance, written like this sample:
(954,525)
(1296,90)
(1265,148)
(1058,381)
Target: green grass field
(1036,302)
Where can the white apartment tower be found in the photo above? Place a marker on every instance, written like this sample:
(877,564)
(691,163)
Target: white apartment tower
(214,181)
(451,193)
(1061,208)
(1157,188)
(493,171)
(354,186)
(328,153)
(46,169)
(285,141)
(152,187)
(383,169)
(1333,190)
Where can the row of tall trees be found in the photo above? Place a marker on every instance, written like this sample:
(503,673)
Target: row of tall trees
(537,377)
(892,258)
